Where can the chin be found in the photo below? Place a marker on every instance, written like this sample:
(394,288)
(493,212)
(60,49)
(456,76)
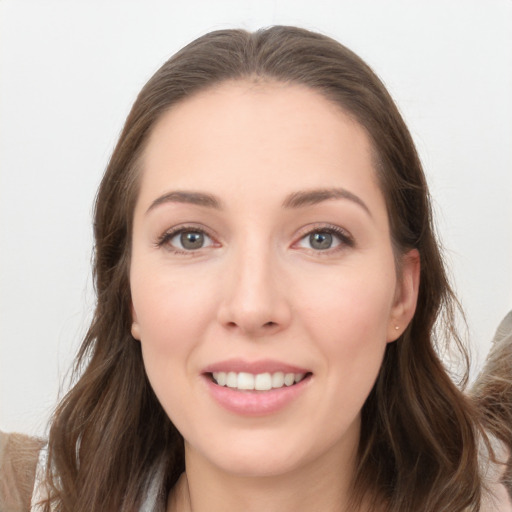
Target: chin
(258,466)
(254,456)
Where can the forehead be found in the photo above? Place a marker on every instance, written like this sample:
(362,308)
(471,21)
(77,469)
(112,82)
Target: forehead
(257,136)
(257,106)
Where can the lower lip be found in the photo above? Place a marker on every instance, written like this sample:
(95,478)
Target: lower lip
(255,403)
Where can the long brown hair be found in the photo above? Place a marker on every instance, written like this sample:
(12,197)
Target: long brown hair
(418,445)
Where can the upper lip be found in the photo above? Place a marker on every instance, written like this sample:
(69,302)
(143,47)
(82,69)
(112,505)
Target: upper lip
(254,367)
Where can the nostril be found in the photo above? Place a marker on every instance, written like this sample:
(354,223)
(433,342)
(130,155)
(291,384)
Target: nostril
(269,324)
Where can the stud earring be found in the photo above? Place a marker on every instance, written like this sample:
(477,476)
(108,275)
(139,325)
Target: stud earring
(397,327)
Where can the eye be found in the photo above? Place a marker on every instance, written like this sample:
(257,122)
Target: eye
(189,240)
(186,240)
(324,239)
(319,241)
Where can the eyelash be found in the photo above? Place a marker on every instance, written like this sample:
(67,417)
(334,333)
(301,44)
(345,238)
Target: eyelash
(344,238)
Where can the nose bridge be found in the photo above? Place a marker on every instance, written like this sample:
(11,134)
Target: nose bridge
(253,275)
(254,299)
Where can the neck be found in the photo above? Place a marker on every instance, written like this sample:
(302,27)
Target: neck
(322,485)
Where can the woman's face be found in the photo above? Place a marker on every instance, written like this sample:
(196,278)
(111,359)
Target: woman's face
(262,259)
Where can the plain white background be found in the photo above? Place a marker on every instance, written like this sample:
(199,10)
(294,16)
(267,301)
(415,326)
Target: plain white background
(69,71)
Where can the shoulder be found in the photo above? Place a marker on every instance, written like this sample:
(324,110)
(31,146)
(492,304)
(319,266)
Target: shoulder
(19,455)
(496,496)
(492,393)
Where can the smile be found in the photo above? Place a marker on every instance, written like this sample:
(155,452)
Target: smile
(259,382)
(256,388)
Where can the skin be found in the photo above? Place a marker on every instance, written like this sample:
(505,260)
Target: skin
(258,289)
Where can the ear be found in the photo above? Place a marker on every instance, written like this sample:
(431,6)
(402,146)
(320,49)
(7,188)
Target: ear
(406,295)
(135,325)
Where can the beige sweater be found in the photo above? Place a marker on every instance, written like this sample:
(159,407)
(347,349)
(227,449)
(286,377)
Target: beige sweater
(18,460)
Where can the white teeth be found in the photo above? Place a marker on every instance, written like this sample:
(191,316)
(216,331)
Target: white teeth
(289,379)
(263,382)
(258,382)
(278,380)
(220,377)
(232,380)
(245,380)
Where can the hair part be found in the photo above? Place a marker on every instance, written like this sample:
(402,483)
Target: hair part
(418,448)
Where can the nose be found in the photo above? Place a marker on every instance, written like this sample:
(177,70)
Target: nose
(255,300)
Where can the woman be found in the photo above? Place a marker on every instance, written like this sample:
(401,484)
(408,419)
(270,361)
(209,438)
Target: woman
(268,281)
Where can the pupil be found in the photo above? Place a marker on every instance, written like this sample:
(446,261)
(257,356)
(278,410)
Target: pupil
(192,240)
(320,241)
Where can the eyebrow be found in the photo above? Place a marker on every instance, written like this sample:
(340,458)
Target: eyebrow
(311,197)
(197,198)
(298,199)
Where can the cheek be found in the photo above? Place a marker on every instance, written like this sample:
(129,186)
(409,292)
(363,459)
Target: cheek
(350,306)
(349,323)
(168,306)
(172,313)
